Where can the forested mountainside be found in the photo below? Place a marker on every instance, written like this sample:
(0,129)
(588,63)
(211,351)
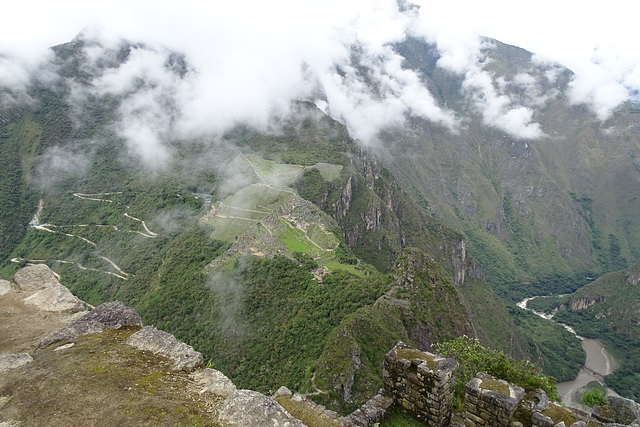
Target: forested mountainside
(289,254)
(554,198)
(276,252)
(607,309)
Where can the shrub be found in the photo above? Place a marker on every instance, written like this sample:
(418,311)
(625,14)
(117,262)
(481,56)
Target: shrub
(474,358)
(593,397)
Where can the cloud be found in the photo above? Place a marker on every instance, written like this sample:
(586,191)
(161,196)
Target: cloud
(59,163)
(250,58)
(499,108)
(378,92)
(18,74)
(606,82)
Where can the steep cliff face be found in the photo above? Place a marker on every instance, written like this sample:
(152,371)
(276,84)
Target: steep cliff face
(582,303)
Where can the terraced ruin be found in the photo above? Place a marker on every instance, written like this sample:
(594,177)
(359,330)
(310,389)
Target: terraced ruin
(267,217)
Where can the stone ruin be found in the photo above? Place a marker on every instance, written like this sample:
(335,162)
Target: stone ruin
(421,383)
(490,402)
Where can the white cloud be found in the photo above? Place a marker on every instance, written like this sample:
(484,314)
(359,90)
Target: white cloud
(251,57)
(466,56)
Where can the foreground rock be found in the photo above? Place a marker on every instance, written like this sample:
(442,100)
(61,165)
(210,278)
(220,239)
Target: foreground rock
(183,356)
(246,408)
(34,278)
(215,382)
(98,378)
(14,360)
(111,315)
(45,291)
(619,411)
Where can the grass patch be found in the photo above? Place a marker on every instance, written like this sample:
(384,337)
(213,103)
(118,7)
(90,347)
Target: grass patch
(495,385)
(102,381)
(398,418)
(558,413)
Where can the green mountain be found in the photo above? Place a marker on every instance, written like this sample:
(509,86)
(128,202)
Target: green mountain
(607,309)
(560,204)
(274,253)
(291,255)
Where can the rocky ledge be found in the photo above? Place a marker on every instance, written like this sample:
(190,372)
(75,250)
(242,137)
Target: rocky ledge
(63,365)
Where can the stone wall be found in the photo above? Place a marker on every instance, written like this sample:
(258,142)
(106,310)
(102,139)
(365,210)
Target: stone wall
(490,402)
(420,382)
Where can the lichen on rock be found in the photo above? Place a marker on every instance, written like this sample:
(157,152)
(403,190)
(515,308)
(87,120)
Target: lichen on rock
(184,357)
(111,315)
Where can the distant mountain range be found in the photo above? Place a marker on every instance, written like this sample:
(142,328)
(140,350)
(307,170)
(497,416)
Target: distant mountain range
(291,254)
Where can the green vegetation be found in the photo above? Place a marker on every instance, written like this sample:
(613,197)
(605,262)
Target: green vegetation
(474,358)
(422,307)
(281,329)
(593,398)
(398,418)
(558,352)
(611,318)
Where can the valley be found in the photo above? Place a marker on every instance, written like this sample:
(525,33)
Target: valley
(597,365)
(291,253)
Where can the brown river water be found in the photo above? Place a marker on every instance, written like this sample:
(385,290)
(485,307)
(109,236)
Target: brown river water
(599,363)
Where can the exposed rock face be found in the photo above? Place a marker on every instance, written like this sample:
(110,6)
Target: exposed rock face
(184,357)
(215,382)
(46,291)
(624,411)
(5,287)
(282,391)
(633,275)
(34,278)
(14,360)
(246,408)
(55,297)
(108,315)
(583,303)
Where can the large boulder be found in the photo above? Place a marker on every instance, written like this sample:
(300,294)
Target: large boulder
(45,290)
(5,287)
(55,297)
(14,360)
(246,408)
(183,356)
(34,278)
(624,411)
(213,381)
(111,315)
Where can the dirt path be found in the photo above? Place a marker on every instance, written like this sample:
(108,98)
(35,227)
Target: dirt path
(35,223)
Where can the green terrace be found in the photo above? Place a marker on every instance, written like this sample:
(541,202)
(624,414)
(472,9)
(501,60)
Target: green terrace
(270,206)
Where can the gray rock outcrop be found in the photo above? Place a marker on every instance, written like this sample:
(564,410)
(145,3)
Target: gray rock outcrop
(34,278)
(282,391)
(14,360)
(624,411)
(45,289)
(111,315)
(246,408)
(184,357)
(5,287)
(215,382)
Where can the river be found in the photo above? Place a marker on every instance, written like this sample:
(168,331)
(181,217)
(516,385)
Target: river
(599,363)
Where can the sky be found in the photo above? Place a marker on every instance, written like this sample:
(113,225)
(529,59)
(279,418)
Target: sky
(251,57)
